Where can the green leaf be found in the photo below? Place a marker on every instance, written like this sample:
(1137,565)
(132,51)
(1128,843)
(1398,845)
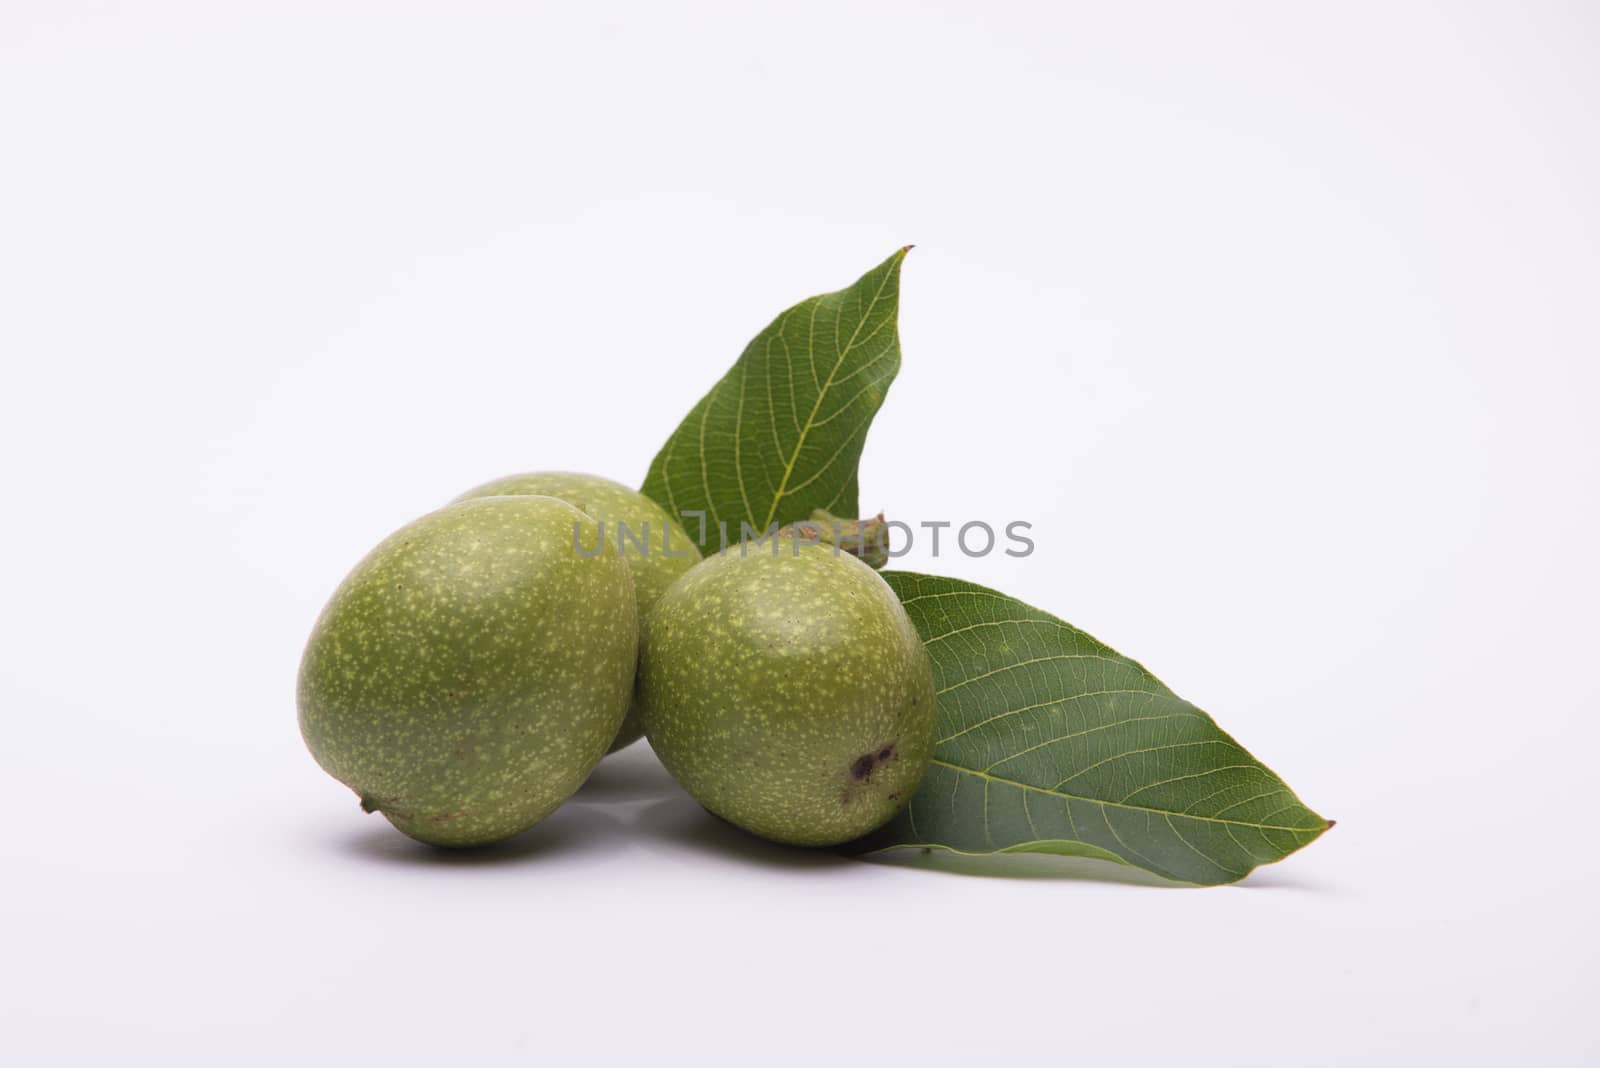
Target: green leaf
(1052,742)
(780,435)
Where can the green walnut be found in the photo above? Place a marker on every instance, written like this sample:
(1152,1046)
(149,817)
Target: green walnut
(656,547)
(788,692)
(470,672)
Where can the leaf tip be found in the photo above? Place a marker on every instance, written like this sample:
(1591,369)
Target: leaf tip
(1331,825)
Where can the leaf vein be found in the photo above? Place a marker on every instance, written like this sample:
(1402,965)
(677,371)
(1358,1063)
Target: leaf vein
(1057,792)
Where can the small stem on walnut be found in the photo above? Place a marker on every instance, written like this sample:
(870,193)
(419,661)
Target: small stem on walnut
(865,539)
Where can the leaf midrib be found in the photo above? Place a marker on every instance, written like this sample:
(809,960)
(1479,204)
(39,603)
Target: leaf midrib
(794,455)
(1118,804)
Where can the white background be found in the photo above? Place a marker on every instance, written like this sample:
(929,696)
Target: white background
(1279,322)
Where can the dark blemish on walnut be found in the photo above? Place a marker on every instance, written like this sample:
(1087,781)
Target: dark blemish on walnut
(886,752)
(862,767)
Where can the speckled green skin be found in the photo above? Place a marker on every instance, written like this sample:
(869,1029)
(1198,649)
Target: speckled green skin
(471,671)
(789,695)
(612,503)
